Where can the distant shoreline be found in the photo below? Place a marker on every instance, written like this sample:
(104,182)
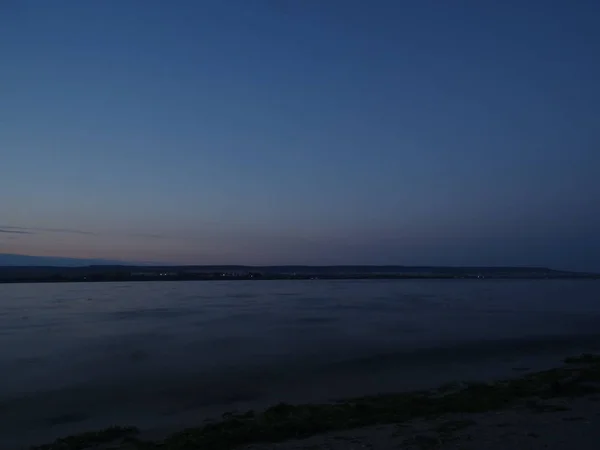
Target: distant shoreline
(108,279)
(130,273)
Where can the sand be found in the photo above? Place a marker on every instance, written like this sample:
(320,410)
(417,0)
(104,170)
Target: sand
(551,409)
(572,424)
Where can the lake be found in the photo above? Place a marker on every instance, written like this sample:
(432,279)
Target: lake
(164,354)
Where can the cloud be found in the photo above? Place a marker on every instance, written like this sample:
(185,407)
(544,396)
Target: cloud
(64,230)
(36,230)
(16,230)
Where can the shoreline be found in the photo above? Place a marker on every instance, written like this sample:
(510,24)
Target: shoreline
(578,378)
(304,278)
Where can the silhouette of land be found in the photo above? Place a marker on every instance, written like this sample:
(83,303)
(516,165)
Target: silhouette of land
(97,273)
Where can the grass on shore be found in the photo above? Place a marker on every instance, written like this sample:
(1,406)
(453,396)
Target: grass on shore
(580,376)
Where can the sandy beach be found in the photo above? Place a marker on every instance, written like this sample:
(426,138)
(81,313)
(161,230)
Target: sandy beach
(551,409)
(560,425)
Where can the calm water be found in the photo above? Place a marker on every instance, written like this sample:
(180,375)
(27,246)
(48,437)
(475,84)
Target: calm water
(73,355)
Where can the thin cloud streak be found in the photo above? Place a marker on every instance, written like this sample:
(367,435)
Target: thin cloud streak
(33,230)
(36,230)
(66,230)
(15,230)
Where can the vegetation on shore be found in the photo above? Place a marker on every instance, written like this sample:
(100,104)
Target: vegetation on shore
(580,376)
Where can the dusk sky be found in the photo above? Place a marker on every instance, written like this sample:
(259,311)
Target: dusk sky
(302,131)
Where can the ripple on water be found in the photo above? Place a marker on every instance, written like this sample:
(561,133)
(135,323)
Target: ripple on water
(314,320)
(149,313)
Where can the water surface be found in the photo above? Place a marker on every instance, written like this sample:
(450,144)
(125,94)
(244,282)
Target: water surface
(81,354)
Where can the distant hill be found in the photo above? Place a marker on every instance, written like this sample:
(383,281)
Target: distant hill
(28,269)
(11,259)
(18,260)
(12,264)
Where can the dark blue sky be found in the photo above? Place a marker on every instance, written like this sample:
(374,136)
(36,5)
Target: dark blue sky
(302,131)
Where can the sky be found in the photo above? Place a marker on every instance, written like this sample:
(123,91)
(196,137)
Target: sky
(302,131)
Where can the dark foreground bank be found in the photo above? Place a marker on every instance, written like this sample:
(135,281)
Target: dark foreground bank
(428,419)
